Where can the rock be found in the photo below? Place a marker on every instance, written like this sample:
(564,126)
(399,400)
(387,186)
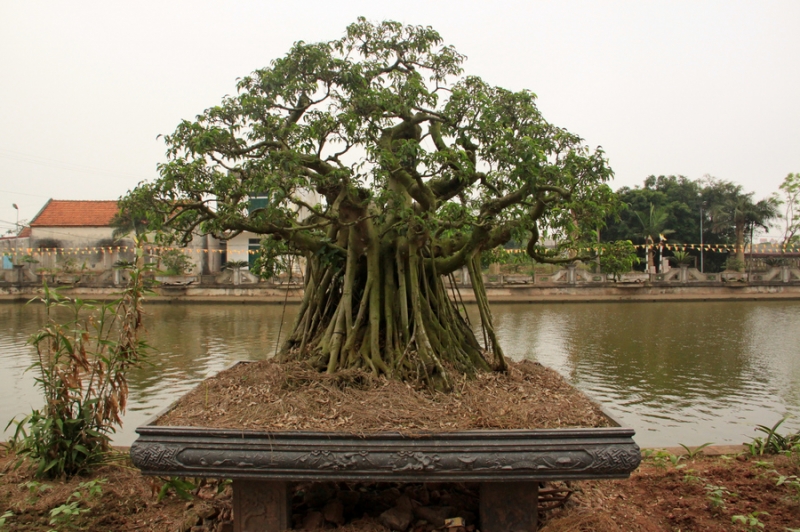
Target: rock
(190,521)
(318,494)
(334,512)
(419,494)
(460,501)
(206,512)
(349,498)
(225,526)
(435,515)
(389,496)
(199,529)
(404,502)
(396,519)
(313,521)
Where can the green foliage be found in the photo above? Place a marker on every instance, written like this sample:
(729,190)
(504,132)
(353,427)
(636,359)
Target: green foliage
(236,264)
(733,264)
(70,265)
(5,517)
(689,477)
(295,126)
(182,488)
(273,259)
(662,457)
(682,257)
(35,488)
(176,262)
(505,257)
(618,257)
(373,157)
(751,522)
(790,199)
(679,201)
(693,453)
(123,264)
(64,514)
(81,367)
(774,443)
(737,211)
(716,496)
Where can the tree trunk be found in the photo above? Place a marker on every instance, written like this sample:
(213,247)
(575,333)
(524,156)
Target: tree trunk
(740,242)
(383,309)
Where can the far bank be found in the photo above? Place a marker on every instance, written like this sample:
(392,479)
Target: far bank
(497,293)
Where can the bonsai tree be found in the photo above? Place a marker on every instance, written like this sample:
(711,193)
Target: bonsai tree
(682,258)
(416,170)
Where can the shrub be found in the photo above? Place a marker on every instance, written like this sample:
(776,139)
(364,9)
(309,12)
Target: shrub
(82,367)
(734,264)
(176,262)
(618,257)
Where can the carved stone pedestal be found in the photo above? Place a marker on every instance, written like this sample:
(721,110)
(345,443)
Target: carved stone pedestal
(509,506)
(507,463)
(261,506)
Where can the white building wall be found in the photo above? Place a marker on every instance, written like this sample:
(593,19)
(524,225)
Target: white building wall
(78,244)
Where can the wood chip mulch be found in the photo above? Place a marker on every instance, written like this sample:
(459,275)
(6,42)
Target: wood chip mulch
(267,395)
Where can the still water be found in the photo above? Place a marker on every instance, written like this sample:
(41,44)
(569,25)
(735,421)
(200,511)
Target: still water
(688,372)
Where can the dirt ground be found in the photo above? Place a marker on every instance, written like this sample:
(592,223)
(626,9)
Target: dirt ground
(667,492)
(688,495)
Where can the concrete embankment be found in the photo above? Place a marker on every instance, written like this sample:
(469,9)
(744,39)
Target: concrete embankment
(522,293)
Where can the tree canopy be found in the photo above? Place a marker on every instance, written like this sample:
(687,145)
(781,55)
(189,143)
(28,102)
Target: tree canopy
(789,198)
(388,170)
(677,203)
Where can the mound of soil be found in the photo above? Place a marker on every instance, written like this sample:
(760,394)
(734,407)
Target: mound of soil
(274,396)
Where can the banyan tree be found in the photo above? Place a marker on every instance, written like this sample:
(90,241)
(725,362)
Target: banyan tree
(416,170)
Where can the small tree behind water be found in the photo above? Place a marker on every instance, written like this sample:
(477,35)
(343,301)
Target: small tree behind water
(82,364)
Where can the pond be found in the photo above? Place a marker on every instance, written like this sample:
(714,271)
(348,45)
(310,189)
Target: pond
(677,372)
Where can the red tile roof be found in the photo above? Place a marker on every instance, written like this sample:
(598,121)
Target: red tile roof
(69,213)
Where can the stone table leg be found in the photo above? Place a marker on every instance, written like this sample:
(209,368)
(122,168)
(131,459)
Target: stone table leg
(509,506)
(261,506)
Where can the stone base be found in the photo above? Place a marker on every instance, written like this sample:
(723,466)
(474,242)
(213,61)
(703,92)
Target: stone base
(261,506)
(264,506)
(509,506)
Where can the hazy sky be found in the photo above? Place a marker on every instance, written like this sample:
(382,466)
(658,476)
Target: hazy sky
(666,87)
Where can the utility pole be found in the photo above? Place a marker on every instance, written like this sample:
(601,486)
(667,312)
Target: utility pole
(16,235)
(701,237)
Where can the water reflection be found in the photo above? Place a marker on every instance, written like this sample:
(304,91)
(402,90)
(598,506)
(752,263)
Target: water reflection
(676,372)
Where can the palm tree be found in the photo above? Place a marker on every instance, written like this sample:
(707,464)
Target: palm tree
(653,229)
(740,212)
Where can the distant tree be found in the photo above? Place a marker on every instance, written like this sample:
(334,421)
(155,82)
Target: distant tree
(790,199)
(652,229)
(738,211)
(618,257)
(681,201)
(419,171)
